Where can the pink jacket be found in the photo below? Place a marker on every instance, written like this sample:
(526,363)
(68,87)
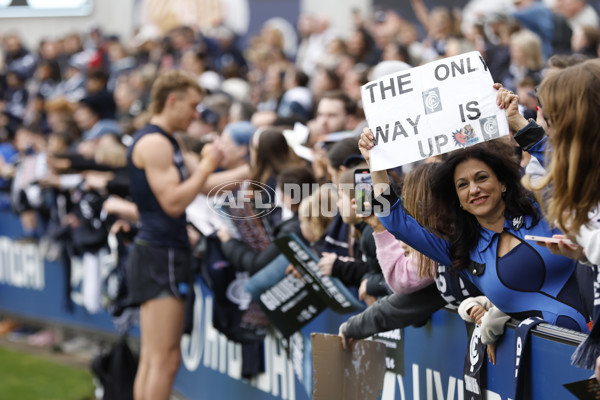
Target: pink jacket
(399,271)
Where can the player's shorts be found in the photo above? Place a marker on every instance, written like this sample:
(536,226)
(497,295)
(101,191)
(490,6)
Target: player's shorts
(155,272)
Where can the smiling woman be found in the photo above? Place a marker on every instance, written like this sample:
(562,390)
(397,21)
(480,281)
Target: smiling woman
(479,187)
(480,192)
(482,216)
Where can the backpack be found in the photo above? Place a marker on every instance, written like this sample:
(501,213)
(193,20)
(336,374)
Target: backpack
(229,318)
(116,369)
(227,287)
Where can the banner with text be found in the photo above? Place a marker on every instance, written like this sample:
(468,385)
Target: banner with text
(331,291)
(289,302)
(394,344)
(433,109)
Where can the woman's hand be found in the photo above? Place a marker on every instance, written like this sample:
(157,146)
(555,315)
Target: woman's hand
(365,143)
(381,183)
(346,342)
(491,352)
(363,295)
(326,263)
(223,234)
(476,313)
(371,219)
(565,248)
(540,119)
(290,269)
(507,100)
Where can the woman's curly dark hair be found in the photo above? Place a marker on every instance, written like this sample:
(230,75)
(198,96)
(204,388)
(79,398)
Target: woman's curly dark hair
(460,227)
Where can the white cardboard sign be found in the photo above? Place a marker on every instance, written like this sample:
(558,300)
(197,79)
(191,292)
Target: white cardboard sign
(433,109)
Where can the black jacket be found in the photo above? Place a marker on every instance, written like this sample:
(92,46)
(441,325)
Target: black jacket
(395,311)
(365,264)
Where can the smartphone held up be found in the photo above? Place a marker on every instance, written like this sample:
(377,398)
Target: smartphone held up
(363,192)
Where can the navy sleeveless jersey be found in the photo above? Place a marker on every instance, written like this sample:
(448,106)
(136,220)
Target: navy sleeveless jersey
(156,227)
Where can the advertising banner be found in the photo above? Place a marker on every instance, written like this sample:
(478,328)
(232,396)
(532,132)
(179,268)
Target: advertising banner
(431,357)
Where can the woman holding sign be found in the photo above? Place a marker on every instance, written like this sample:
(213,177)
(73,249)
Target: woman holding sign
(485,213)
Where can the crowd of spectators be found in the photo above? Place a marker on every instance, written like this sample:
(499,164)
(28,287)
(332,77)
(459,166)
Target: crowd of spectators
(69,109)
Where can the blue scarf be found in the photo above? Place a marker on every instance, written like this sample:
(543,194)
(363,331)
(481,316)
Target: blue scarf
(522,354)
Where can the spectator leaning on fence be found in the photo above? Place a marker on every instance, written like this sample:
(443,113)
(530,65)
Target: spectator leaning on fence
(484,223)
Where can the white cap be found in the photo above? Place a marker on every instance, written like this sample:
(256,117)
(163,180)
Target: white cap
(210,80)
(388,67)
(147,33)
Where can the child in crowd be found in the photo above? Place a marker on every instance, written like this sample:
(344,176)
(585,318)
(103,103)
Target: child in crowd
(361,265)
(316,213)
(406,270)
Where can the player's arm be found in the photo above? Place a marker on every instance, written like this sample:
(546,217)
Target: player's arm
(228,179)
(154,154)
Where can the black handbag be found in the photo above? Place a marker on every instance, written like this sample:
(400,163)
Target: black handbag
(116,369)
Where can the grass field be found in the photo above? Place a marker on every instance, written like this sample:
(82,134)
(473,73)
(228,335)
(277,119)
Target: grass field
(27,377)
